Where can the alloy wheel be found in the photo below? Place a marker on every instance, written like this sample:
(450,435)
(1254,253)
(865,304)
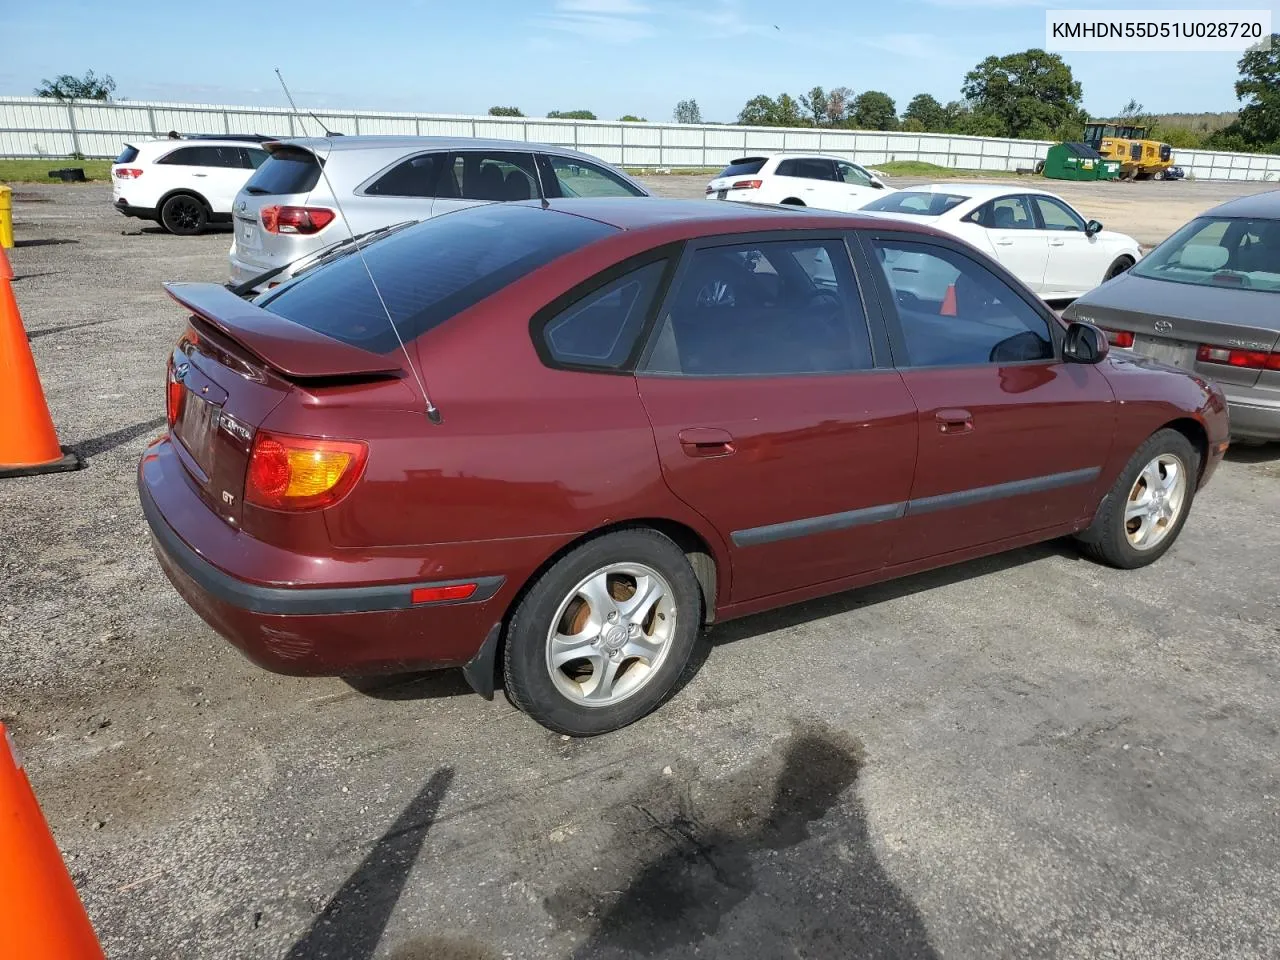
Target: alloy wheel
(1155,502)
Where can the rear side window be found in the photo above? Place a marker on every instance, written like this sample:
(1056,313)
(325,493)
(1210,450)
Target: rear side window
(287,170)
(203,157)
(128,154)
(600,330)
(254,158)
(916,202)
(764,310)
(482,175)
(430,272)
(807,168)
(744,166)
(953,311)
(415,177)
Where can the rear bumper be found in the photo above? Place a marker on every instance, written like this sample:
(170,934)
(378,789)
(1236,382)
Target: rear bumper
(1254,418)
(141,213)
(306,628)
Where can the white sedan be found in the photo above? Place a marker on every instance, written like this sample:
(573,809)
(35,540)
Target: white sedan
(1037,236)
(797,179)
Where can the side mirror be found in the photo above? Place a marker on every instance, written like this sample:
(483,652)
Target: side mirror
(1084,343)
(1092,227)
(877,183)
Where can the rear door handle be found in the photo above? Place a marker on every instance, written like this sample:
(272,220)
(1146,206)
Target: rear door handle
(1057,243)
(706,442)
(199,174)
(1005,243)
(954,421)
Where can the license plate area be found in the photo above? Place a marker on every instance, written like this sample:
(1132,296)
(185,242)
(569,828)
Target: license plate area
(1173,352)
(197,429)
(721,194)
(247,233)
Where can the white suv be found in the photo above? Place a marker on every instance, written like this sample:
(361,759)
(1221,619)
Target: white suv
(801,179)
(184,183)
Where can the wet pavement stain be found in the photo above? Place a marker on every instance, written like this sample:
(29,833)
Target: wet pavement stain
(775,861)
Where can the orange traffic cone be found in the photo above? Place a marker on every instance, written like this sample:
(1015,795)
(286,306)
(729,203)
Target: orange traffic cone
(28,443)
(949,302)
(41,917)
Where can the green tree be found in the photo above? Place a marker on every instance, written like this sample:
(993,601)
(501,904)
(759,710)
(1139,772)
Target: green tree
(814,104)
(1029,91)
(68,87)
(874,110)
(1259,87)
(912,125)
(764,111)
(838,102)
(632,118)
(688,111)
(925,111)
(505,112)
(571,115)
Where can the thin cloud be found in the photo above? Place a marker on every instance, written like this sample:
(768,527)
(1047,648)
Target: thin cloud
(605,21)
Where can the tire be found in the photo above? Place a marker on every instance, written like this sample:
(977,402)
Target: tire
(1039,167)
(1121,265)
(793,202)
(1115,541)
(184,214)
(560,605)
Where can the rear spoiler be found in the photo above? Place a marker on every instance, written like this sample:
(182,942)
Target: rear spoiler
(291,348)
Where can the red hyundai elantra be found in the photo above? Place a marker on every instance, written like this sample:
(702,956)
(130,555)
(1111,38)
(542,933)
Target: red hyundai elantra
(613,422)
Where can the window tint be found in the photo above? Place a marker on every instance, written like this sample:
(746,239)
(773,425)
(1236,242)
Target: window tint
(600,330)
(917,203)
(1006,213)
(743,166)
(128,154)
(287,170)
(429,272)
(1057,215)
(415,177)
(953,311)
(851,174)
(483,175)
(1220,252)
(764,309)
(808,168)
(203,157)
(254,158)
(579,179)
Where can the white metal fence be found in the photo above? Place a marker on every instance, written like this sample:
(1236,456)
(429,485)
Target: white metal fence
(36,127)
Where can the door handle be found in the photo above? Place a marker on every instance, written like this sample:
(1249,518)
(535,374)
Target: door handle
(706,442)
(1057,243)
(1005,243)
(199,174)
(954,421)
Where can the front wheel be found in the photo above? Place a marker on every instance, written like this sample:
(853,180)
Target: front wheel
(1146,508)
(184,215)
(1121,265)
(605,635)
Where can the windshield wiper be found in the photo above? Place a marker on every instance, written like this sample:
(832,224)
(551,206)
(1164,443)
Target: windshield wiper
(335,251)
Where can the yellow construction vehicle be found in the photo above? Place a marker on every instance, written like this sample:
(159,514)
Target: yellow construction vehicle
(1139,157)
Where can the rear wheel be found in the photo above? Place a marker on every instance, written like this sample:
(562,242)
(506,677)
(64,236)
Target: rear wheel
(184,214)
(605,635)
(1146,508)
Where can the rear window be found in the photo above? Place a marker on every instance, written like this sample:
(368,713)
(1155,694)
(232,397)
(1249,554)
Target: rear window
(287,170)
(429,273)
(744,166)
(1219,252)
(128,154)
(915,202)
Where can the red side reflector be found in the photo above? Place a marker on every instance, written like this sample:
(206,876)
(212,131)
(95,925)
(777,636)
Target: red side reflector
(456,591)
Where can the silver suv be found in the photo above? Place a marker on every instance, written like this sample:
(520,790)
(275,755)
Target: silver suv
(286,211)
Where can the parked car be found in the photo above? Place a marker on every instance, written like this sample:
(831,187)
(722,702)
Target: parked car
(286,210)
(642,418)
(797,179)
(1207,300)
(184,183)
(1039,237)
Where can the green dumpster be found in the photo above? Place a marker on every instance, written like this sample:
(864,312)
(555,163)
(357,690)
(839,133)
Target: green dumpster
(1078,161)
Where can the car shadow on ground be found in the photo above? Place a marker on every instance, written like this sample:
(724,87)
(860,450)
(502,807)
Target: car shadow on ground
(161,231)
(430,685)
(43,242)
(1253,453)
(96,446)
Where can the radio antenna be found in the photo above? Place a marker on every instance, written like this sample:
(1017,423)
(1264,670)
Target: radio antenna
(433,412)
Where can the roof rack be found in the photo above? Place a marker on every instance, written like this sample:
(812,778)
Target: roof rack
(248,137)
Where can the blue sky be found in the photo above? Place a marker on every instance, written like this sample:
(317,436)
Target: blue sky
(610,56)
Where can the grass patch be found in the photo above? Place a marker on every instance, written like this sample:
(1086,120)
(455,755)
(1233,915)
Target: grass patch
(918,168)
(37,171)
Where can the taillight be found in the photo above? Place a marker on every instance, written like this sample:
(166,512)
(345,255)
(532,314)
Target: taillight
(127,173)
(175,396)
(1251,359)
(304,220)
(746,185)
(1119,338)
(301,473)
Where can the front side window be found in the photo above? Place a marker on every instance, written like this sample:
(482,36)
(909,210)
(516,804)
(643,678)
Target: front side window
(482,175)
(1056,215)
(850,174)
(602,328)
(952,311)
(762,310)
(1219,252)
(807,168)
(415,177)
(577,178)
(1006,213)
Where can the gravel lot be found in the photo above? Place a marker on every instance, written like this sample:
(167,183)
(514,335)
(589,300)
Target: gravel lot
(1025,756)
